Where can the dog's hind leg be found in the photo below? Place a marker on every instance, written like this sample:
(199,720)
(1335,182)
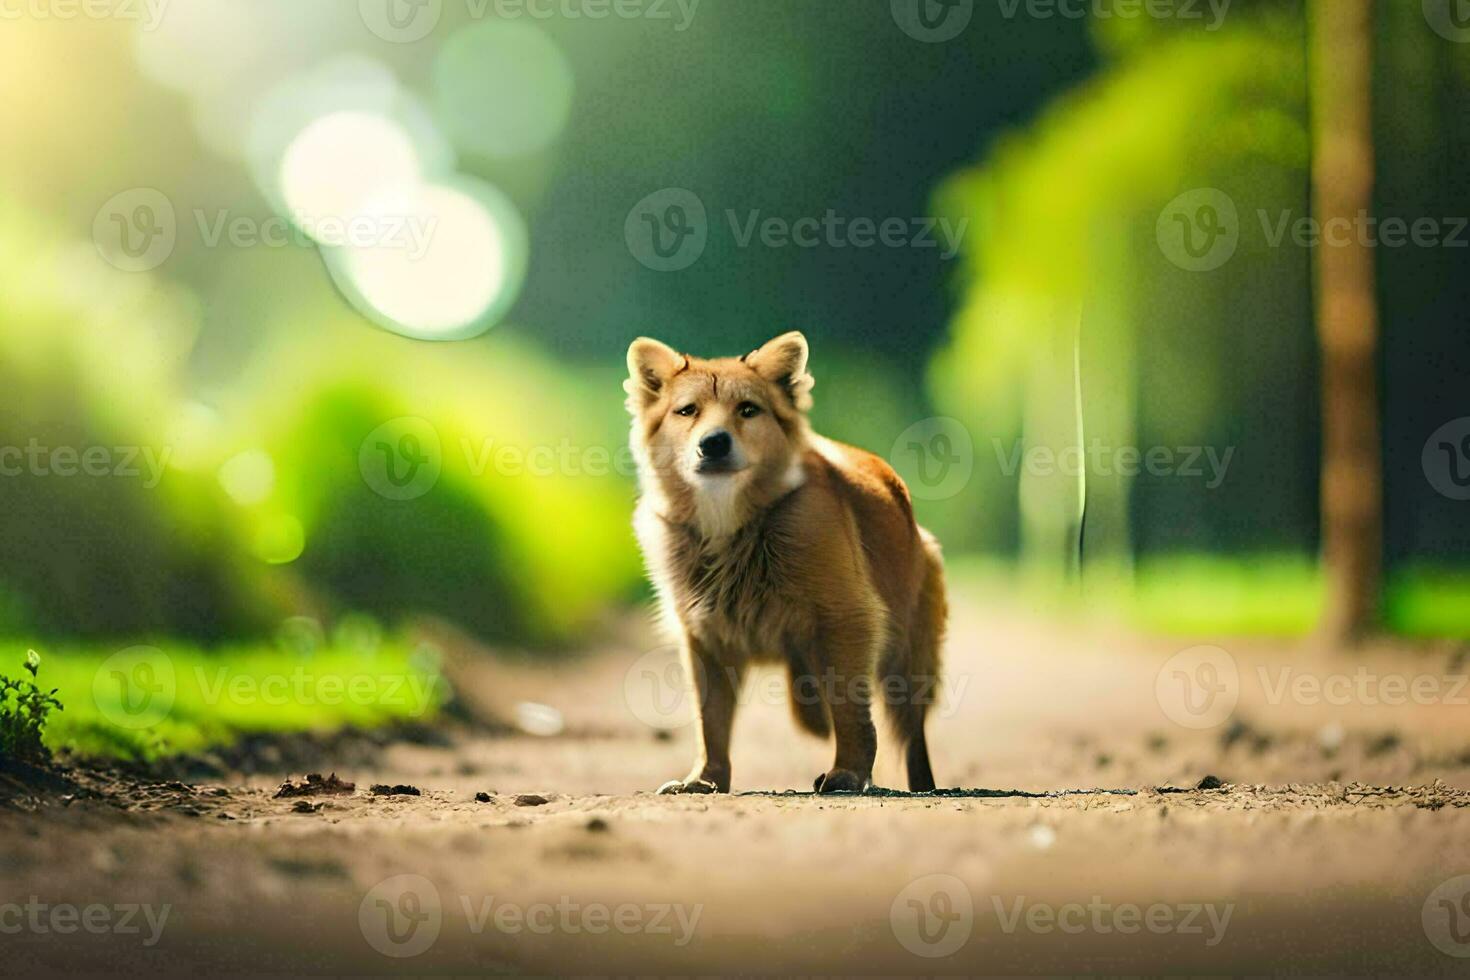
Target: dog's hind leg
(844,654)
(908,696)
(808,707)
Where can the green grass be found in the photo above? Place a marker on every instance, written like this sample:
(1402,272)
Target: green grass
(1429,601)
(1271,595)
(146,703)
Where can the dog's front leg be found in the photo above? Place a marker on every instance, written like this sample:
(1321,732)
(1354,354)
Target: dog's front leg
(716,688)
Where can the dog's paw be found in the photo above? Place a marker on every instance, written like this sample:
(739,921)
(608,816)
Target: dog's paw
(681,786)
(840,781)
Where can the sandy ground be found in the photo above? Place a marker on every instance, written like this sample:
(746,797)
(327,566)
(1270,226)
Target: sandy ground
(1336,846)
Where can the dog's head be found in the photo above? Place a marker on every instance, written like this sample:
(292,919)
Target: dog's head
(720,436)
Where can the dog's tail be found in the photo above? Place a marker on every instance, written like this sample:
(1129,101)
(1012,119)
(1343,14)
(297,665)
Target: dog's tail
(933,613)
(918,674)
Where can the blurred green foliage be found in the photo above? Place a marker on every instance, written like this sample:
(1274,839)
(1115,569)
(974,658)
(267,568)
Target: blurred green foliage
(1066,256)
(524,536)
(86,363)
(257,393)
(1065,234)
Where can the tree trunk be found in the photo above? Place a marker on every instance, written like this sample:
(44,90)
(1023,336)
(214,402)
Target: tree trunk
(1347,316)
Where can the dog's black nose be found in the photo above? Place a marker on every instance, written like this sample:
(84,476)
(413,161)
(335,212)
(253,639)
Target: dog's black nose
(716,445)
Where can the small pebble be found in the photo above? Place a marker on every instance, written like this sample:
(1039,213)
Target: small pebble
(541,720)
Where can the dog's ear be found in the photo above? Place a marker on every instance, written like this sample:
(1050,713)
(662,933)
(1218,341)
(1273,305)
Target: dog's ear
(783,363)
(650,366)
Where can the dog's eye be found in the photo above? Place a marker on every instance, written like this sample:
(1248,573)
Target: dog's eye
(687,410)
(749,410)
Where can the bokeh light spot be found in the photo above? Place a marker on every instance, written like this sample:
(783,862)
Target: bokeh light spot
(339,162)
(248,477)
(453,267)
(502,89)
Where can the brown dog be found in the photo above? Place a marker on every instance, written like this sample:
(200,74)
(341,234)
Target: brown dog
(767,542)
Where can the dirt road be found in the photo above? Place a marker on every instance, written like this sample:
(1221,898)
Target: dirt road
(1313,857)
